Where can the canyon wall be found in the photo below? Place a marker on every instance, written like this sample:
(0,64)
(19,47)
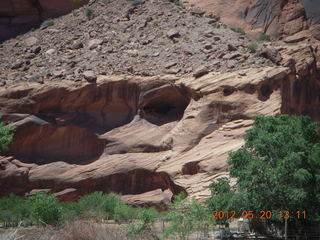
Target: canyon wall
(19,16)
(146,138)
(278,18)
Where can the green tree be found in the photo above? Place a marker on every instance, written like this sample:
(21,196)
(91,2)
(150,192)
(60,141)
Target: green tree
(45,208)
(277,169)
(6,136)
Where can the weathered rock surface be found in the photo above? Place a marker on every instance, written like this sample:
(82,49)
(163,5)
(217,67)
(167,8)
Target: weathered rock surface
(122,39)
(145,137)
(277,18)
(80,128)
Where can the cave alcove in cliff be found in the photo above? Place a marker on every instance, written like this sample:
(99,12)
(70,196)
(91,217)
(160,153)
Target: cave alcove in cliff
(166,106)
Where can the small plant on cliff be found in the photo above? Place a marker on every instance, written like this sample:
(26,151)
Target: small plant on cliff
(264,38)
(137,2)
(252,47)
(89,13)
(6,136)
(176,2)
(238,30)
(47,23)
(277,169)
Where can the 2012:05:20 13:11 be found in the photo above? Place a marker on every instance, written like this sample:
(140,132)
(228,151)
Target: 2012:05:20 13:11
(264,214)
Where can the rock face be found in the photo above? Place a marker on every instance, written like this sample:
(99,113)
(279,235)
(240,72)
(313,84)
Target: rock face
(277,18)
(146,138)
(20,16)
(83,127)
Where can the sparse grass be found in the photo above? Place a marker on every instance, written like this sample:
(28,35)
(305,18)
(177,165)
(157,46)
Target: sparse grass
(105,1)
(264,38)
(217,18)
(89,230)
(137,2)
(47,23)
(85,219)
(238,30)
(252,47)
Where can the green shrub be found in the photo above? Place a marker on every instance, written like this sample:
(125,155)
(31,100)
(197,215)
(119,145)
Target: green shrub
(70,211)
(123,213)
(111,202)
(186,217)
(45,209)
(137,2)
(217,18)
(238,30)
(92,205)
(6,136)
(47,23)
(146,218)
(98,205)
(252,47)
(13,210)
(176,2)
(89,13)
(264,38)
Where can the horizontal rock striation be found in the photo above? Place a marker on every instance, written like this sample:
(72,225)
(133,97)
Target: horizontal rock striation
(145,137)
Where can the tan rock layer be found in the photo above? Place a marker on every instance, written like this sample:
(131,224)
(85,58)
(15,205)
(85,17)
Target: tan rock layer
(145,137)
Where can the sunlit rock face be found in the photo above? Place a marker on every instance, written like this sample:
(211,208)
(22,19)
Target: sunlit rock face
(146,138)
(277,18)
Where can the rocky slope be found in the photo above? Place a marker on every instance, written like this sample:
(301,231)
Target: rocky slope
(156,37)
(84,127)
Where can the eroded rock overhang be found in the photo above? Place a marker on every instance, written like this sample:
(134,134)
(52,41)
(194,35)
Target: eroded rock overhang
(144,136)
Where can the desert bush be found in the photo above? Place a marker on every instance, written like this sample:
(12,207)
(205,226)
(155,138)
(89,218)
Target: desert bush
(45,209)
(238,30)
(90,230)
(123,213)
(89,13)
(264,38)
(137,2)
(92,206)
(176,2)
(6,136)
(99,206)
(47,23)
(13,210)
(146,217)
(186,217)
(252,47)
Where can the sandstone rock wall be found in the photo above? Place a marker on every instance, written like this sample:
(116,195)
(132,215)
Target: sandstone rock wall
(19,16)
(278,18)
(174,134)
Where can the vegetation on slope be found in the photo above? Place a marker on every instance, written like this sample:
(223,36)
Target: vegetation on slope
(277,170)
